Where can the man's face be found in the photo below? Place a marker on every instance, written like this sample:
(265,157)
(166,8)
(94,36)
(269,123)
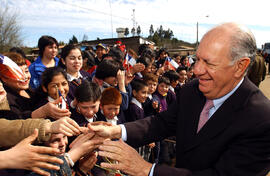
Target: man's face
(214,68)
(110,110)
(88,109)
(58,141)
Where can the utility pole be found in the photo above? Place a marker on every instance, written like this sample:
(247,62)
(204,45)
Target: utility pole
(134,20)
(111,18)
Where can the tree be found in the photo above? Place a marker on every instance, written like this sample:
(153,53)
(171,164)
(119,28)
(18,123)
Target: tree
(61,43)
(126,32)
(139,30)
(151,30)
(10,30)
(160,32)
(73,40)
(85,38)
(168,34)
(133,31)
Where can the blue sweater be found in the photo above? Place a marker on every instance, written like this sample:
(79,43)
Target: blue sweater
(36,69)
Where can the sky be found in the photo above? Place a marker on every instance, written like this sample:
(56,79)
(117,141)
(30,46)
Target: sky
(99,18)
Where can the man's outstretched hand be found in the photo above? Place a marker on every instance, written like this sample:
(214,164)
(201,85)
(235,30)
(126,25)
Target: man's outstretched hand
(105,130)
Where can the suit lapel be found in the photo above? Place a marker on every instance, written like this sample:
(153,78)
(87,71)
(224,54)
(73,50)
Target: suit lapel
(222,118)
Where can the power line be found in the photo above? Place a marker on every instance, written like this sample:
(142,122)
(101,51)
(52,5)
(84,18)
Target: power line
(89,9)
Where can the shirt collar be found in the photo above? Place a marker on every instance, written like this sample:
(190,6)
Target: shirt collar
(136,102)
(112,121)
(218,102)
(71,78)
(171,88)
(90,120)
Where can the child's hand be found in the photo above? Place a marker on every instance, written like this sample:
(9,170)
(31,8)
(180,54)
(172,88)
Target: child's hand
(52,110)
(87,162)
(121,80)
(137,68)
(152,145)
(155,104)
(120,76)
(160,71)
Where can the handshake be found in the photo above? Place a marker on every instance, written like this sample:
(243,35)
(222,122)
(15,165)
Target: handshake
(126,158)
(95,137)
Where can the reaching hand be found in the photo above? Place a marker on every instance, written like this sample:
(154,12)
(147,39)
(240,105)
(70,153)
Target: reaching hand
(65,125)
(87,162)
(51,110)
(105,129)
(129,161)
(137,68)
(29,157)
(155,104)
(152,145)
(84,144)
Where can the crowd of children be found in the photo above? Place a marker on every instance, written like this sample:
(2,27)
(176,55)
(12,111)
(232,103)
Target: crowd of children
(93,86)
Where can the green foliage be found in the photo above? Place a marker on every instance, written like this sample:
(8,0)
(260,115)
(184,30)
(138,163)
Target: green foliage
(151,30)
(139,30)
(73,40)
(126,32)
(163,37)
(61,43)
(133,31)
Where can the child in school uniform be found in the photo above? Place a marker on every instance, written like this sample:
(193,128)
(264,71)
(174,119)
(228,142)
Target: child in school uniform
(86,103)
(54,88)
(161,92)
(150,106)
(173,91)
(110,102)
(139,94)
(72,61)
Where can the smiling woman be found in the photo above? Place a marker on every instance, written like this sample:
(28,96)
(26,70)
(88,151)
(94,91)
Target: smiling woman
(72,62)
(18,91)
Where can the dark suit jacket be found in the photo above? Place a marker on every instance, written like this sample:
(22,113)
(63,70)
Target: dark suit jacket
(235,140)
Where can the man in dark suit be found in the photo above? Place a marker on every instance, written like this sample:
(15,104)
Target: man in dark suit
(231,137)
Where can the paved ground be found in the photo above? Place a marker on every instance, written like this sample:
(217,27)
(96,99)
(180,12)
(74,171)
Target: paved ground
(265,86)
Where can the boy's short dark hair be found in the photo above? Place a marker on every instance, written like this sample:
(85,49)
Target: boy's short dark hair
(164,79)
(111,96)
(138,84)
(87,91)
(172,75)
(145,61)
(107,68)
(44,41)
(150,77)
(181,68)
